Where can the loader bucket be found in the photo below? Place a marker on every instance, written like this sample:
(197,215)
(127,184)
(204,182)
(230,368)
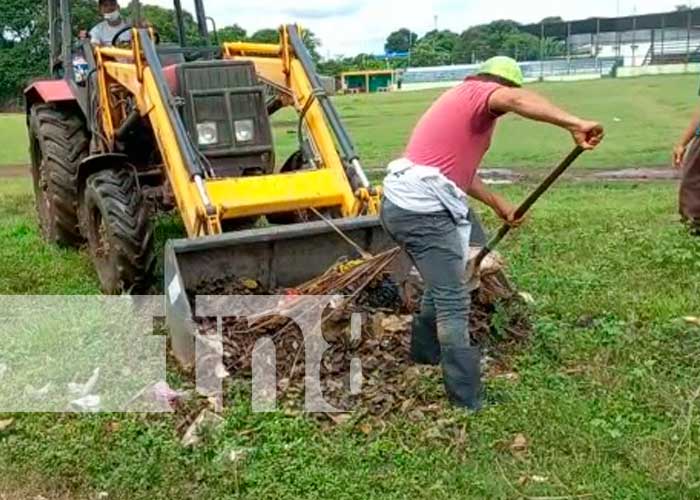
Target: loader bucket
(276,257)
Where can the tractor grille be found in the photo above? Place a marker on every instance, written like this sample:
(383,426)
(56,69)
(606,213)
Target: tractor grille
(228,93)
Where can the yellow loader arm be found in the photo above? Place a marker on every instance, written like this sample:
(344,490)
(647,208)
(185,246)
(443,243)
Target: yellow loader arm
(205,200)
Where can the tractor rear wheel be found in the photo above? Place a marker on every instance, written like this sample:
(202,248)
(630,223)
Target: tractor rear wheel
(117,225)
(58,143)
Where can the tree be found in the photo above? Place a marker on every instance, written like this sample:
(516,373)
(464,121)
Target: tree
(482,42)
(163,20)
(552,20)
(24,45)
(443,41)
(265,36)
(553,47)
(521,46)
(311,41)
(233,33)
(682,8)
(400,41)
(425,53)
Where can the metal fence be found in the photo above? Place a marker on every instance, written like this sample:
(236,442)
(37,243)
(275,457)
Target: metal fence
(533,70)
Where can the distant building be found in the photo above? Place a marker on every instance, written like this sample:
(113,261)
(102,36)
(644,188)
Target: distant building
(368,81)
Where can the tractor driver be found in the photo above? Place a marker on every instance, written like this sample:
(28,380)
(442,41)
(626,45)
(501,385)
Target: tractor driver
(104,32)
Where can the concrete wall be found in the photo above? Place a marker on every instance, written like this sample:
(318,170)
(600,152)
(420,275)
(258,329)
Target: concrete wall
(661,69)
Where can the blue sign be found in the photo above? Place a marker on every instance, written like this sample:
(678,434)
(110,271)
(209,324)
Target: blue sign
(396,55)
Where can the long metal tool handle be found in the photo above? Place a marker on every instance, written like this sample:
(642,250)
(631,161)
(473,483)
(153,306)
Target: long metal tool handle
(527,204)
(364,254)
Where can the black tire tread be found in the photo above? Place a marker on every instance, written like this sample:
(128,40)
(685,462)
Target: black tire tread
(65,143)
(129,228)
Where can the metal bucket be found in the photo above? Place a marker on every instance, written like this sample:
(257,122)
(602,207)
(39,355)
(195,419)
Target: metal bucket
(275,257)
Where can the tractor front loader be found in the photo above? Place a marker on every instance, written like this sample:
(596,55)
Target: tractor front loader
(125,131)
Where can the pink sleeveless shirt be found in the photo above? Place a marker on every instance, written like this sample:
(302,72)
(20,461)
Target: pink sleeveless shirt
(455,133)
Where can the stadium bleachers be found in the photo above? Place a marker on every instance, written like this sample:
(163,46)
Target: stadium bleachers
(674,52)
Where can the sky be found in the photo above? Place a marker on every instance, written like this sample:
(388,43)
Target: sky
(349,27)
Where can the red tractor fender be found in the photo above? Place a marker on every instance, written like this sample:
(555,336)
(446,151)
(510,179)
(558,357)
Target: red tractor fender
(46,91)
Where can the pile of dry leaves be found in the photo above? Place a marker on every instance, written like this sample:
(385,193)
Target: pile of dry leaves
(389,382)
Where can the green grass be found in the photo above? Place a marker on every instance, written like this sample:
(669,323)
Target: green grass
(606,396)
(643,116)
(13,131)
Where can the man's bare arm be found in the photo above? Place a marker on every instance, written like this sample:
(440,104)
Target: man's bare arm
(587,134)
(499,205)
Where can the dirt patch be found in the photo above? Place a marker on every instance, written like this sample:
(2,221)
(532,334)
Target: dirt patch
(33,487)
(636,174)
(14,171)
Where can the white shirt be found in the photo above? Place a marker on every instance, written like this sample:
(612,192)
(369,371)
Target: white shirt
(424,189)
(103,33)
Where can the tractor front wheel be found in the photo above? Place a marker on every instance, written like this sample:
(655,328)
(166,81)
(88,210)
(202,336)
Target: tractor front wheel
(116,223)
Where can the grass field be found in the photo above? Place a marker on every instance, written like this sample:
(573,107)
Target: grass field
(606,394)
(643,116)
(13,134)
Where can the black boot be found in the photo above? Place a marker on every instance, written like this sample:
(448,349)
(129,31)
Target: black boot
(461,372)
(425,348)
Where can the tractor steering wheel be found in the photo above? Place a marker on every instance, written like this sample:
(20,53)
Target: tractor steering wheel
(115,39)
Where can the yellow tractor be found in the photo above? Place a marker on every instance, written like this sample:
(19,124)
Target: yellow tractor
(127,128)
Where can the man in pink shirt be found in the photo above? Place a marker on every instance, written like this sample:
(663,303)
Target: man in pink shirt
(425,208)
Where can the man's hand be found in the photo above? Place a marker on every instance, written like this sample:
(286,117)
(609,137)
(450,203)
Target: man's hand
(587,134)
(506,212)
(678,155)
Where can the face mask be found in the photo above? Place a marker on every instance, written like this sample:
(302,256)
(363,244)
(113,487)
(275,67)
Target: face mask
(112,16)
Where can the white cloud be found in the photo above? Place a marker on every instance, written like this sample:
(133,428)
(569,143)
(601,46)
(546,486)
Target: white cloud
(349,27)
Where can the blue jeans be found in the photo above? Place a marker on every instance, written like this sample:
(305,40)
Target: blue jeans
(439,248)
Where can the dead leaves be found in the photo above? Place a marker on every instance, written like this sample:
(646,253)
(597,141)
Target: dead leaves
(692,320)
(389,382)
(519,445)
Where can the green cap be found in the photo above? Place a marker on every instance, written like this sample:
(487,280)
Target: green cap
(503,67)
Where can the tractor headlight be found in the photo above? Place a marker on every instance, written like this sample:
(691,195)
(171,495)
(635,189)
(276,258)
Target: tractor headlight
(245,130)
(207,133)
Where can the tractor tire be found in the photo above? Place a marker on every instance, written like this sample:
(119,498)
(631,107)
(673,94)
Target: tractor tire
(58,143)
(117,225)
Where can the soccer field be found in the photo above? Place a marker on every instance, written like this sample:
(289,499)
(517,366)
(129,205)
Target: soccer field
(601,403)
(643,117)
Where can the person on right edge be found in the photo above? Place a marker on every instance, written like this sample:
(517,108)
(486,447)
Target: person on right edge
(687,158)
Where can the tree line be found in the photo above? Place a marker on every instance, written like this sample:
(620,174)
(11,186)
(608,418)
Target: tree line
(405,48)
